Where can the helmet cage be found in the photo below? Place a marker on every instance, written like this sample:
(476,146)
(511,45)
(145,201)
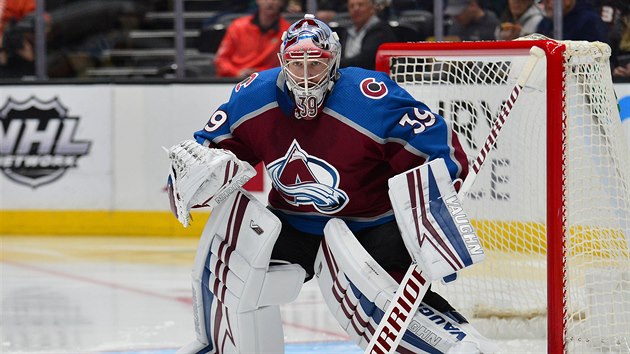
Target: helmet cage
(309,56)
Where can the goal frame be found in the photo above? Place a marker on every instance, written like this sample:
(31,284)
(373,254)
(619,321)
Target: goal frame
(556,166)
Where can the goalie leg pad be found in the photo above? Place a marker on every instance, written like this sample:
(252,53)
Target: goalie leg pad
(432,221)
(357,291)
(236,293)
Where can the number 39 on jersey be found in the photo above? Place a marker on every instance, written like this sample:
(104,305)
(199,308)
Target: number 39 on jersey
(422,120)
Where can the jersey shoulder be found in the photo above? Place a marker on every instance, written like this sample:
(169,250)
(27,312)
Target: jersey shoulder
(253,93)
(362,87)
(354,75)
(369,99)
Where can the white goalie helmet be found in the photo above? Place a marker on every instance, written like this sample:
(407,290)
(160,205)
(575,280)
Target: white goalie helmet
(309,55)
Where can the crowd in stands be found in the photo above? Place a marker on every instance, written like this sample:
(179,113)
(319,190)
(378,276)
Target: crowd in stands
(251,42)
(16,50)
(471,22)
(79,32)
(520,18)
(361,39)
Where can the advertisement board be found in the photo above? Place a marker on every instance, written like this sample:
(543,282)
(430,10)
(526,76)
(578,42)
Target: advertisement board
(56,147)
(91,155)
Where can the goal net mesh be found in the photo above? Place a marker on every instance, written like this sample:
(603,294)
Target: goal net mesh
(506,296)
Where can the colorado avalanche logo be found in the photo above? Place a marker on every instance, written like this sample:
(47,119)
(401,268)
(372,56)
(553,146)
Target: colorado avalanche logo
(306,180)
(373,89)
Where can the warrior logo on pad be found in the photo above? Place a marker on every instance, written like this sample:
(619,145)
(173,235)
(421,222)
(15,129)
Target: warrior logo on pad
(303,179)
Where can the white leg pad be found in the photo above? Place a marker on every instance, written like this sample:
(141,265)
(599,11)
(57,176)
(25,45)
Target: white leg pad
(357,291)
(236,294)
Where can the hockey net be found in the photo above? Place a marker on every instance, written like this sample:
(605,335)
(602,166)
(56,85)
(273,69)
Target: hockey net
(551,203)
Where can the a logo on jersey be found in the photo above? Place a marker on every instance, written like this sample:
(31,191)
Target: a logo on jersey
(259,230)
(303,179)
(37,143)
(373,89)
(245,82)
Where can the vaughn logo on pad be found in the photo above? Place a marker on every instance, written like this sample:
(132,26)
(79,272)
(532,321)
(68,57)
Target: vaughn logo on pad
(38,143)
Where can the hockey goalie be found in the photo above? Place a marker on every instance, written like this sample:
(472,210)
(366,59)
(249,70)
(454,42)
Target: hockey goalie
(331,141)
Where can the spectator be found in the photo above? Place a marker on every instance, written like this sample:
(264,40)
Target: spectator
(470,21)
(616,15)
(612,13)
(622,71)
(16,45)
(580,21)
(367,33)
(14,11)
(251,42)
(77,34)
(520,19)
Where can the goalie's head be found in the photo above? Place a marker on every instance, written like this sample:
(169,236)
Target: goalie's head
(309,56)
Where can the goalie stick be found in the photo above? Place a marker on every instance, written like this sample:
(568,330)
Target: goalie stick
(397,318)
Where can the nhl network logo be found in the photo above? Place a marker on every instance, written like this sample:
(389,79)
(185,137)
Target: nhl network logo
(37,143)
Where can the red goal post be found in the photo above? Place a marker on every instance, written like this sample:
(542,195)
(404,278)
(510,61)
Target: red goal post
(553,205)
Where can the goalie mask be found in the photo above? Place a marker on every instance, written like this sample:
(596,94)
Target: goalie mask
(309,55)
